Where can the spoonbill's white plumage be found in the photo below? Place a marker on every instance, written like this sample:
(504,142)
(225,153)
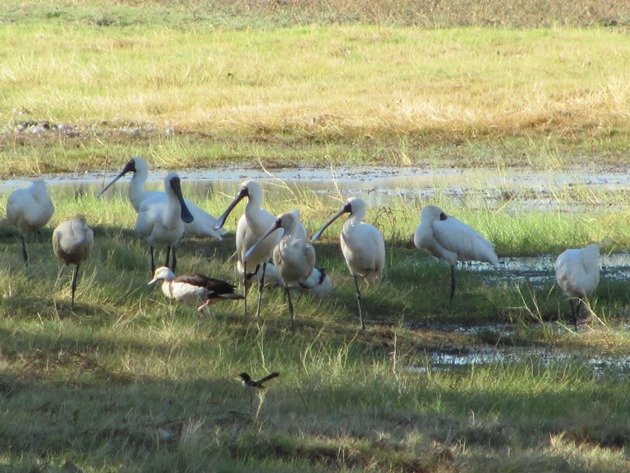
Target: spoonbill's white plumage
(72,242)
(194,287)
(251,227)
(202,224)
(577,273)
(293,256)
(362,245)
(161,221)
(452,240)
(29,210)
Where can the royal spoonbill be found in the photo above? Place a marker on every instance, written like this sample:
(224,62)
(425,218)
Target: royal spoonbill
(72,242)
(252,225)
(293,256)
(577,273)
(162,221)
(193,287)
(203,223)
(452,240)
(29,210)
(362,245)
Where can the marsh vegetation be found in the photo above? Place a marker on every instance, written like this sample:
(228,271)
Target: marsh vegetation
(497,380)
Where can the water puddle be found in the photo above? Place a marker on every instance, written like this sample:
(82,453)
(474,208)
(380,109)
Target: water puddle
(532,189)
(538,270)
(601,365)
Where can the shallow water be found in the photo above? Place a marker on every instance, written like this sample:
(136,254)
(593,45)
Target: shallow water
(377,185)
(538,270)
(600,365)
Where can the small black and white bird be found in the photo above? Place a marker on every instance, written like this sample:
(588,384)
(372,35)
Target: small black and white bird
(248,382)
(192,287)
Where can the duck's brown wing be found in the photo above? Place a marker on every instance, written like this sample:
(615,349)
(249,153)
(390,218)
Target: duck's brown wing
(217,286)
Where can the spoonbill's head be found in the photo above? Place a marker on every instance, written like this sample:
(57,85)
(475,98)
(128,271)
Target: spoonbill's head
(162,274)
(431,213)
(251,190)
(135,164)
(172,185)
(38,188)
(286,221)
(352,206)
(80,218)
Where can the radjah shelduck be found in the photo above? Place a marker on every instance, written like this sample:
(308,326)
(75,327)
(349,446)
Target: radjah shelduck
(194,287)
(251,227)
(452,240)
(577,273)
(362,245)
(161,221)
(72,242)
(202,224)
(293,256)
(29,210)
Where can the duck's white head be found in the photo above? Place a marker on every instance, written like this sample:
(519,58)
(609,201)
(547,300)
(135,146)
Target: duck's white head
(162,274)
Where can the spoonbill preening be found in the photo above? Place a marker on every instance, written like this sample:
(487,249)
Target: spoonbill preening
(29,210)
(251,227)
(577,273)
(161,221)
(293,256)
(191,287)
(72,242)
(362,245)
(452,240)
(202,224)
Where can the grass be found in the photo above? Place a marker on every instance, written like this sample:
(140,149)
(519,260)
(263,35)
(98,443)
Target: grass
(127,381)
(301,91)
(93,387)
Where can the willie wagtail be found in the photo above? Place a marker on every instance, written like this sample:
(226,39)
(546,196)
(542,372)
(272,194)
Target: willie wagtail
(250,383)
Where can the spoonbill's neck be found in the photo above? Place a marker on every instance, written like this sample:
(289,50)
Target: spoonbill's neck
(136,187)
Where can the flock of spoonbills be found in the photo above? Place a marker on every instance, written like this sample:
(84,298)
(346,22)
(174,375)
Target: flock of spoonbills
(271,247)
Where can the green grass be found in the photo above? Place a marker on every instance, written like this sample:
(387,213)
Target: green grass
(93,386)
(127,381)
(204,92)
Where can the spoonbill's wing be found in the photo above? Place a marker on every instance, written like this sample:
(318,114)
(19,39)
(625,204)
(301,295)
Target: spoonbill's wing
(456,236)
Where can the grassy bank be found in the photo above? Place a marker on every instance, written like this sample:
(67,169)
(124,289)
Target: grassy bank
(129,381)
(196,93)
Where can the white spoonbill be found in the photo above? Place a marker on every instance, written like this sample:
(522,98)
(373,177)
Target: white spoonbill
(362,245)
(72,242)
(203,223)
(251,227)
(162,221)
(192,287)
(577,273)
(29,210)
(452,240)
(293,256)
